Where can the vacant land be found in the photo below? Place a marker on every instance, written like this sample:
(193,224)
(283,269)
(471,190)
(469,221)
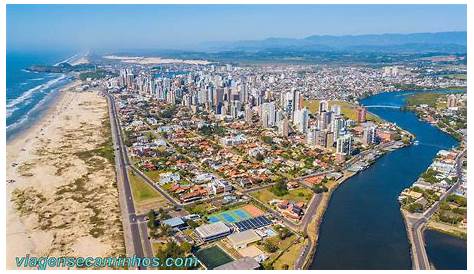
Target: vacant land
(347,109)
(297,195)
(423,98)
(145,196)
(288,258)
(456,76)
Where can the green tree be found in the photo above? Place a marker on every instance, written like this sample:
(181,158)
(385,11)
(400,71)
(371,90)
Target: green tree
(415,207)
(280,188)
(270,247)
(152,222)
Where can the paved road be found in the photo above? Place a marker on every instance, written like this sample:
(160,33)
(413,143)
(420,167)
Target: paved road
(146,242)
(122,178)
(309,215)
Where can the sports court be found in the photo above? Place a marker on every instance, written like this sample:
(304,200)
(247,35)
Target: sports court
(213,257)
(236,215)
(253,210)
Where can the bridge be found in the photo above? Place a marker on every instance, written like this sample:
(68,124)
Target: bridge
(383,106)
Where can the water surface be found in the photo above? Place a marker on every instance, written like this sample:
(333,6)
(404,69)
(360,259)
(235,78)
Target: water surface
(363,227)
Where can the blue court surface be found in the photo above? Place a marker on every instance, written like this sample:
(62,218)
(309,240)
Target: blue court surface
(230,216)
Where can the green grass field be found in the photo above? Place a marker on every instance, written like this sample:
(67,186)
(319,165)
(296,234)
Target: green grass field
(154,175)
(141,191)
(347,109)
(457,76)
(297,195)
(421,98)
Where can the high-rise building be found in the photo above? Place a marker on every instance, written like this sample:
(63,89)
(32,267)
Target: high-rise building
(218,100)
(324,120)
(344,144)
(361,115)
(248,113)
(268,114)
(336,109)
(301,120)
(337,126)
(368,136)
(283,127)
(298,100)
(452,101)
(289,103)
(323,106)
(330,140)
(311,136)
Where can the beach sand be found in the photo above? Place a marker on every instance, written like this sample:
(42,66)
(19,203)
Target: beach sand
(154,60)
(62,198)
(82,60)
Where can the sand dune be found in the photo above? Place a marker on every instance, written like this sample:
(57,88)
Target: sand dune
(63,200)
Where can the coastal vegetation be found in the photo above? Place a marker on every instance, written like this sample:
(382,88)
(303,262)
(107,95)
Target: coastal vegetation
(448,219)
(172,250)
(61,68)
(95,74)
(71,198)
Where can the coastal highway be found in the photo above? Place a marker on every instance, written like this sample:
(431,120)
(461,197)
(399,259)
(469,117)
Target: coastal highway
(416,223)
(131,226)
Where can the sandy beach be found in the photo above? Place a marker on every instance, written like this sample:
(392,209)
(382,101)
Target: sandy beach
(154,60)
(61,195)
(82,60)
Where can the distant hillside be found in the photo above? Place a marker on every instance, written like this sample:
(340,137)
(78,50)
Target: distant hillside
(447,42)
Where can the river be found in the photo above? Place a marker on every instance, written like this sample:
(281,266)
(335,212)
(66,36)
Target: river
(363,227)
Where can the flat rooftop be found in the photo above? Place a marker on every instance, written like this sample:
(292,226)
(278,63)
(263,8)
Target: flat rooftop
(210,230)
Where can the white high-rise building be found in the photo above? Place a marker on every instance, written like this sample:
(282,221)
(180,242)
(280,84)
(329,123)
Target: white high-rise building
(283,127)
(337,126)
(368,137)
(301,120)
(312,136)
(336,109)
(268,114)
(298,101)
(344,144)
(324,120)
(323,106)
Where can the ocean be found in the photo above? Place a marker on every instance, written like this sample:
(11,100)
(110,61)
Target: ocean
(29,94)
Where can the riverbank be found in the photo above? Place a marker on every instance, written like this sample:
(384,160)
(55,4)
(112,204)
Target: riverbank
(442,258)
(61,196)
(314,225)
(447,229)
(447,111)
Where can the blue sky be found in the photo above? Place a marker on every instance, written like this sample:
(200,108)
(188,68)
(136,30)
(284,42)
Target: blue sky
(183,26)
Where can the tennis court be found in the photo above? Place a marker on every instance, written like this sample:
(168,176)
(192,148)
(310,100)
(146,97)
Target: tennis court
(253,210)
(230,216)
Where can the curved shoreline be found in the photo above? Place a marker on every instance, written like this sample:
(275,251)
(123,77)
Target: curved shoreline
(320,213)
(319,221)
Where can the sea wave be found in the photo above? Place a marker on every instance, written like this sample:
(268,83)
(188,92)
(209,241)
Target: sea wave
(27,94)
(26,116)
